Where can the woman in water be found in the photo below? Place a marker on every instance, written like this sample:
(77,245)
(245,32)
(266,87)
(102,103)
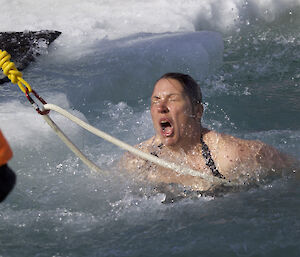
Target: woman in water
(176,110)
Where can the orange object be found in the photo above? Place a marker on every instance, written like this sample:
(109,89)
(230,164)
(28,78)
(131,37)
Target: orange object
(5,151)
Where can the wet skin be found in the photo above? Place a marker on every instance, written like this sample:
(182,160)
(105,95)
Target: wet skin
(177,124)
(175,121)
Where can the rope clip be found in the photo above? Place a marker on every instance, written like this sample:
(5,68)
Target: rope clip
(34,104)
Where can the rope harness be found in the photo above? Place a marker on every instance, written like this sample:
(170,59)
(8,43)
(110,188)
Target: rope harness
(15,76)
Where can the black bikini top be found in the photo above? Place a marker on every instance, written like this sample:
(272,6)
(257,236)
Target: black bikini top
(209,160)
(207,156)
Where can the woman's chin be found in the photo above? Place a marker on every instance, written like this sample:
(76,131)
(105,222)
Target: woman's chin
(169,141)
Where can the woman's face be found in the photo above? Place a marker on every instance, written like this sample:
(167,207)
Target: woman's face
(172,113)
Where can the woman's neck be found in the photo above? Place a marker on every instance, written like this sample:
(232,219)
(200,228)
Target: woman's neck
(190,142)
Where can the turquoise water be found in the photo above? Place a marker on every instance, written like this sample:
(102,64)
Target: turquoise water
(250,78)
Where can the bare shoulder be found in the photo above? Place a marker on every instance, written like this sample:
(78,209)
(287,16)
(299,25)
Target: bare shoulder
(232,146)
(238,147)
(248,156)
(130,162)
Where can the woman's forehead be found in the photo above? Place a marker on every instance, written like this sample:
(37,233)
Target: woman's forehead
(167,86)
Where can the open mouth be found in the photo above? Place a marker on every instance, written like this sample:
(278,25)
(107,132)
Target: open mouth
(166,127)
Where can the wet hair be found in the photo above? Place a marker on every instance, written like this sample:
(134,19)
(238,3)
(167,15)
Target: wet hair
(190,86)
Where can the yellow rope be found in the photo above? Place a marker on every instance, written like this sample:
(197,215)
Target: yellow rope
(10,70)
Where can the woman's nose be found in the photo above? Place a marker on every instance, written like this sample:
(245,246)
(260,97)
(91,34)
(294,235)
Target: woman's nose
(162,107)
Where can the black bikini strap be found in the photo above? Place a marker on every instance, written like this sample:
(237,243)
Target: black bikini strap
(159,147)
(205,153)
(208,159)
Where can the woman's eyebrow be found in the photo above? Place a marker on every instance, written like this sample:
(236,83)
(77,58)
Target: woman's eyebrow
(176,94)
(168,95)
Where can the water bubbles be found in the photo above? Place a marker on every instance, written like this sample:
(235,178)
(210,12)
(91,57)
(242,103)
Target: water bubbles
(236,66)
(59,166)
(283,141)
(245,4)
(246,91)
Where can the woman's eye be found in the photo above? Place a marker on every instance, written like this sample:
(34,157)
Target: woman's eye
(173,99)
(155,100)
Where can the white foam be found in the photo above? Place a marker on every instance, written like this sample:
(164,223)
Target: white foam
(24,127)
(86,21)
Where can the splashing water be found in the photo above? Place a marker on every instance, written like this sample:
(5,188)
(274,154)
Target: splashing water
(102,70)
